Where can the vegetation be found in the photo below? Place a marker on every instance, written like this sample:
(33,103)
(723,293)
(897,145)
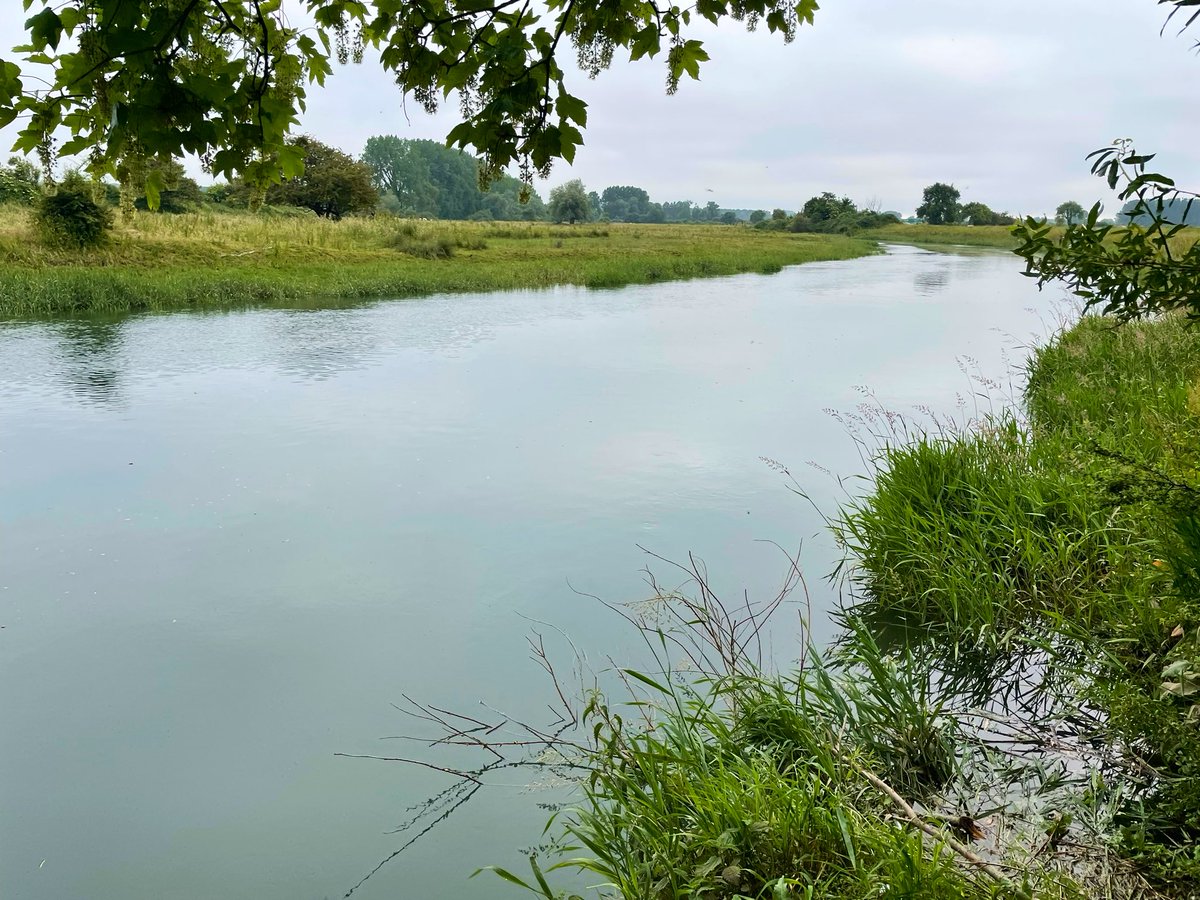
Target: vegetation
(229,258)
(69,216)
(430,180)
(1070,538)
(569,203)
(824,214)
(332,184)
(940,205)
(226,79)
(1069,213)
(20,182)
(1149,266)
(997,236)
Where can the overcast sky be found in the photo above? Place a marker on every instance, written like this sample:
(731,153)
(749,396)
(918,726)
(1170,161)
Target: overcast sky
(879,98)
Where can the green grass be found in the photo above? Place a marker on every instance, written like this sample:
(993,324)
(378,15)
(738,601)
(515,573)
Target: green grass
(997,236)
(1077,534)
(977,532)
(212,259)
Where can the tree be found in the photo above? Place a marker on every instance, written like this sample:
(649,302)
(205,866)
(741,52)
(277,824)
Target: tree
(729,217)
(625,203)
(332,184)
(757,216)
(178,193)
(399,168)
(569,202)
(940,206)
(20,182)
(1069,213)
(827,206)
(976,213)
(227,79)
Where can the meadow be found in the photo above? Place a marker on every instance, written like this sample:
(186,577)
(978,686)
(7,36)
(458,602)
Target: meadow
(221,259)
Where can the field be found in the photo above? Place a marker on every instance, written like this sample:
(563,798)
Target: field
(220,259)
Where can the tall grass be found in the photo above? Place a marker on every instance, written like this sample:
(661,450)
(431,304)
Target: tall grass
(211,258)
(1076,534)
(978,532)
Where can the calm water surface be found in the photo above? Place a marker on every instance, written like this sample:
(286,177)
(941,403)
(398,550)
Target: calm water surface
(230,541)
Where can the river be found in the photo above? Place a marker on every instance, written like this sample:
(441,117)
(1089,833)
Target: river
(230,541)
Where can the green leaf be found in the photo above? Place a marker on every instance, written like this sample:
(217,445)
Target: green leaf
(571,108)
(45,29)
(645,679)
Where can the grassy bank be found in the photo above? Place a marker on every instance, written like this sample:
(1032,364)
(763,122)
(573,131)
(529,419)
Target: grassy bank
(997,236)
(212,259)
(1068,534)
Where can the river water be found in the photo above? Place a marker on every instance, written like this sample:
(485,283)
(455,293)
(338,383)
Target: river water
(230,542)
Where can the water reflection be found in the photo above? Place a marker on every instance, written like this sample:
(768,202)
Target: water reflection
(931,281)
(91,359)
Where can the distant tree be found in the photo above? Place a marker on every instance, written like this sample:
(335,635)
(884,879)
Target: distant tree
(333,184)
(677,211)
(178,193)
(1069,213)
(729,217)
(827,207)
(976,213)
(757,216)
(1181,210)
(399,167)
(594,203)
(778,215)
(625,203)
(20,182)
(711,211)
(940,206)
(569,202)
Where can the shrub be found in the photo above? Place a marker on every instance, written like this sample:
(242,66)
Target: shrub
(71,216)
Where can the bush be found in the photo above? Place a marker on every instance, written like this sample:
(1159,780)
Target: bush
(71,216)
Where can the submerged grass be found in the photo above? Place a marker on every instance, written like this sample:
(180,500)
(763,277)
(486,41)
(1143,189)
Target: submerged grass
(217,259)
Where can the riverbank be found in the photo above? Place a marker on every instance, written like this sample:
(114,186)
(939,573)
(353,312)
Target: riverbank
(1011,709)
(1059,545)
(211,259)
(998,236)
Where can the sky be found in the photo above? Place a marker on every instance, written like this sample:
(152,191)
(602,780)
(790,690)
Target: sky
(879,98)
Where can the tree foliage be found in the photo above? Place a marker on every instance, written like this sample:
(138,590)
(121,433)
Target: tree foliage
(939,205)
(1069,213)
(1143,268)
(976,213)
(332,184)
(427,178)
(227,79)
(826,207)
(20,182)
(569,202)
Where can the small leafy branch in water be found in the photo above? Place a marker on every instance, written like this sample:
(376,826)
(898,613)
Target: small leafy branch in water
(1147,266)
